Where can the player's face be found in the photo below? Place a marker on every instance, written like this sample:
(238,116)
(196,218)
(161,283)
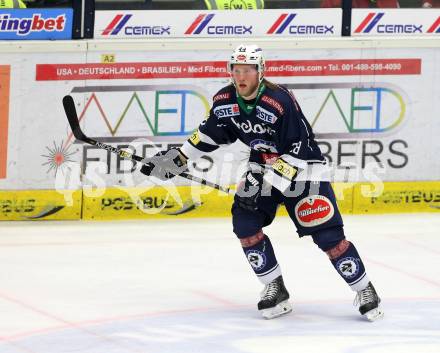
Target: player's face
(246,79)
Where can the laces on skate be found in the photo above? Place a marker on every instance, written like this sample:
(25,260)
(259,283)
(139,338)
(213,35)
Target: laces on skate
(368,302)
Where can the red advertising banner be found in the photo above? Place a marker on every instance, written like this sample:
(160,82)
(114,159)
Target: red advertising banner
(217,69)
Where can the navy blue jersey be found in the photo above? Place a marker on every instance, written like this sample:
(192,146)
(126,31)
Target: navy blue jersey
(274,127)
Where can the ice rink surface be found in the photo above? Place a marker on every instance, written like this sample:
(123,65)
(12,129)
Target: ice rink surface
(184,286)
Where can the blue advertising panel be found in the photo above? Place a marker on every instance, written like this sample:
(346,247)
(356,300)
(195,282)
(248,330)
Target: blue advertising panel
(24,24)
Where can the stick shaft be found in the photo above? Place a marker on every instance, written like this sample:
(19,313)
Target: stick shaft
(72,117)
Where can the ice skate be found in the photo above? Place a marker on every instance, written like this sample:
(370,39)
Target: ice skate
(274,299)
(368,302)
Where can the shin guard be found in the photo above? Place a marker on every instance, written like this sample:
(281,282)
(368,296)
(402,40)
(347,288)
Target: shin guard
(349,265)
(260,255)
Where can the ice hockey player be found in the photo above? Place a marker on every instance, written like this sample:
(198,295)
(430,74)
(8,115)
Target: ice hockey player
(268,119)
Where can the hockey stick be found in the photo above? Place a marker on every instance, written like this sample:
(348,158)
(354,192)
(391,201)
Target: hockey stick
(72,117)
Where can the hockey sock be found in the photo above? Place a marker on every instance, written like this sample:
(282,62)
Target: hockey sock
(349,265)
(261,257)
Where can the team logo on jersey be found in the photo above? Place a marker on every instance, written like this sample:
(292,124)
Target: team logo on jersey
(224,111)
(348,267)
(314,210)
(221,96)
(247,127)
(263,146)
(274,103)
(265,115)
(257,259)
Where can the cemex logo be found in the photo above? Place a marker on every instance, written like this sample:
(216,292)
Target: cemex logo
(23,26)
(371,21)
(119,22)
(435,28)
(284,20)
(116,24)
(201,22)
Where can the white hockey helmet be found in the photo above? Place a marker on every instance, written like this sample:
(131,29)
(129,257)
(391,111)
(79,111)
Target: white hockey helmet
(248,54)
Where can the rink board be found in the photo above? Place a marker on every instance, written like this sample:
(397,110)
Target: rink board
(368,102)
(397,197)
(174,202)
(372,104)
(199,202)
(156,202)
(20,205)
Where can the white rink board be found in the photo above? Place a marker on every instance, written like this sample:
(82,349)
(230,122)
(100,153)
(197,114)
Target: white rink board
(395,22)
(373,103)
(217,24)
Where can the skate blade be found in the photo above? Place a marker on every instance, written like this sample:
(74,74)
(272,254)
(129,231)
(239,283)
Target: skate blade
(374,314)
(281,309)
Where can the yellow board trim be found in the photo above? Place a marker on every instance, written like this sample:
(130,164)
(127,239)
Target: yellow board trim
(177,202)
(157,202)
(173,202)
(396,197)
(36,205)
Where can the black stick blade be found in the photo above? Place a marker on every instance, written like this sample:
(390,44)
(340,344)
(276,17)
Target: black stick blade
(72,117)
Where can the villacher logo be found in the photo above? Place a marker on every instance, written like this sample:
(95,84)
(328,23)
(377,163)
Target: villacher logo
(120,21)
(371,23)
(283,22)
(202,21)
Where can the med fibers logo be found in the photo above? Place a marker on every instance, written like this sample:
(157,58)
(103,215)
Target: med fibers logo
(372,22)
(202,21)
(119,22)
(339,113)
(283,22)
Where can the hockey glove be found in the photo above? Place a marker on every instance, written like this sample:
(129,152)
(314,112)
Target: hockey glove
(165,164)
(249,191)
